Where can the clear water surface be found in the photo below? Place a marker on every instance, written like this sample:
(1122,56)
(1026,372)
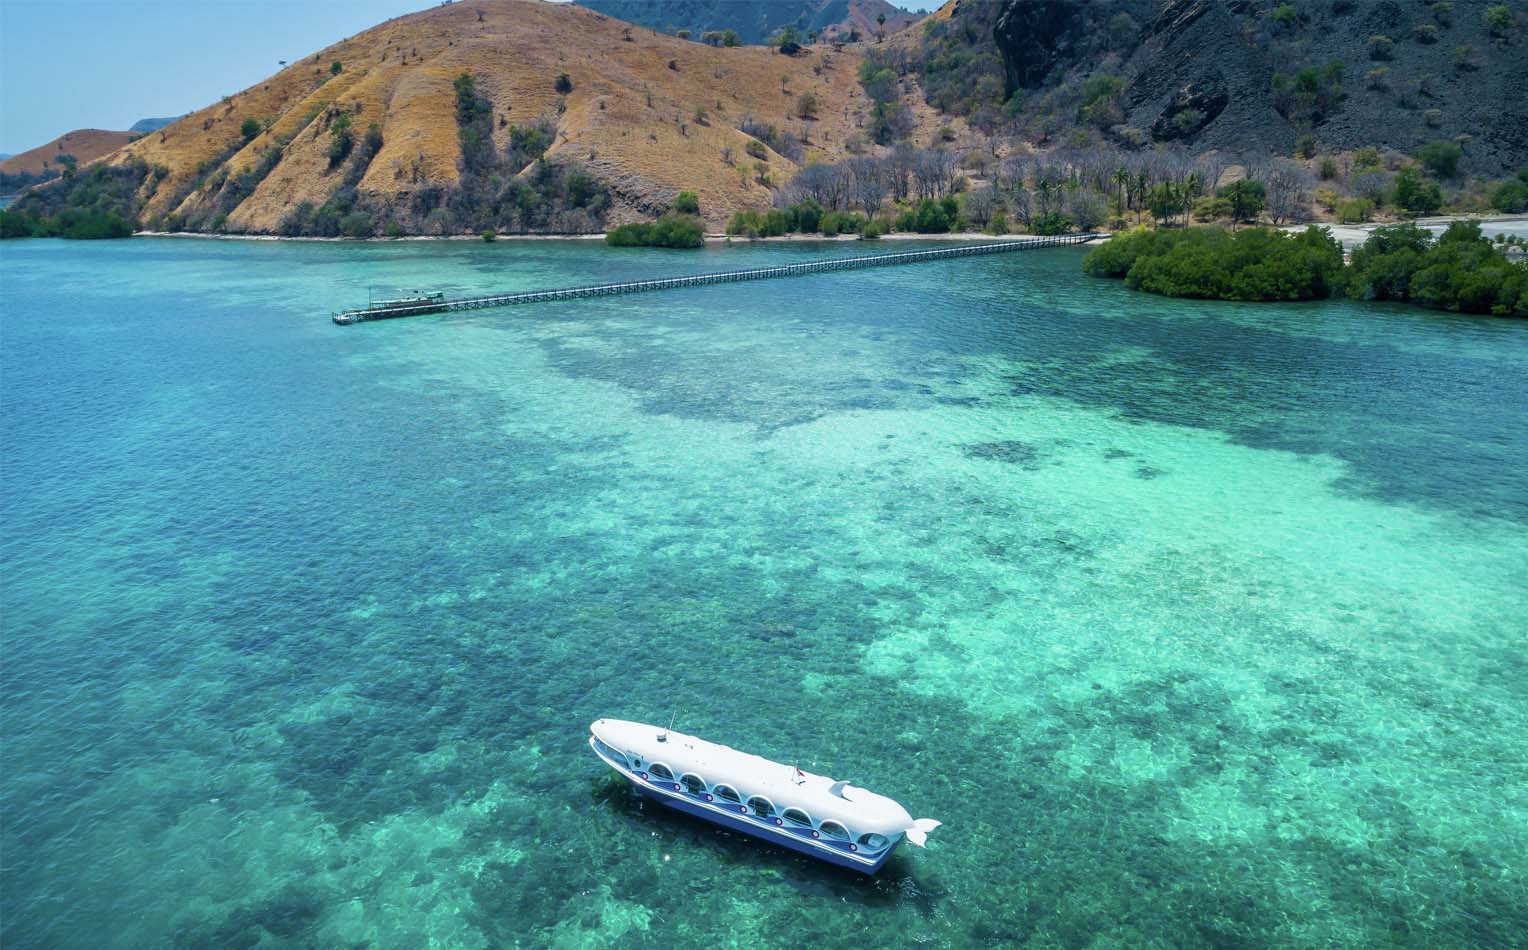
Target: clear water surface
(1197,624)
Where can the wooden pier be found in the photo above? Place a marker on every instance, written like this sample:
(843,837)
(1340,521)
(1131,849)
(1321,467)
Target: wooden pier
(348,317)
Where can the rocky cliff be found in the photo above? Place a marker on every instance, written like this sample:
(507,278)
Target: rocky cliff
(1254,75)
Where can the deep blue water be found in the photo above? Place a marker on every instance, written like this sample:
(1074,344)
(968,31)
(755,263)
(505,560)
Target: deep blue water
(1197,624)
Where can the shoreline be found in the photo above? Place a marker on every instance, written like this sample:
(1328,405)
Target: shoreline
(710,238)
(1344,233)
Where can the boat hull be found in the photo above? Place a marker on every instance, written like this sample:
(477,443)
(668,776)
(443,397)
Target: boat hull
(671,794)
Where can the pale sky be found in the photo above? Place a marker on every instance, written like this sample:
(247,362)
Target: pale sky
(104,64)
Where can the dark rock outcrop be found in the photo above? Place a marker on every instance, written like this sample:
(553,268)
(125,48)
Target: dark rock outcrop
(1035,36)
(1193,107)
(1223,74)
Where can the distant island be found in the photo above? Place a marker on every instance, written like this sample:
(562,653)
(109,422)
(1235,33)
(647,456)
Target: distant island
(1002,116)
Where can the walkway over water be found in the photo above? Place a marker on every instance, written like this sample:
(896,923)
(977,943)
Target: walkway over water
(694,280)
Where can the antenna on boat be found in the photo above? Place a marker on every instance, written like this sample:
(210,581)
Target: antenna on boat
(663,736)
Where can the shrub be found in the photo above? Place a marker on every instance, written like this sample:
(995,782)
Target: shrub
(1425,33)
(1441,157)
(1051,224)
(806,105)
(335,67)
(1212,208)
(872,230)
(1246,198)
(1251,264)
(356,224)
(99,202)
(730,38)
(563,84)
(1460,271)
(341,140)
(1284,15)
(1305,146)
(842,222)
(1510,196)
(1327,169)
(489,236)
(1381,47)
(1415,195)
(686,202)
(670,230)
(755,148)
(1354,210)
(249,128)
(1498,19)
(528,143)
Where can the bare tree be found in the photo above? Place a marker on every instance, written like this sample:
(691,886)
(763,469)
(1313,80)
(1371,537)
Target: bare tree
(867,183)
(897,171)
(1287,187)
(1088,208)
(1212,165)
(1020,201)
(980,204)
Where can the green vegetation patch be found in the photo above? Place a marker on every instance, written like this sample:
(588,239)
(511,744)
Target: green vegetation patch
(1216,264)
(100,202)
(1461,270)
(670,230)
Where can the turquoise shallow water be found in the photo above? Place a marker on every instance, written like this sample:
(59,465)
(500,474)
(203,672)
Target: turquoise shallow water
(1197,624)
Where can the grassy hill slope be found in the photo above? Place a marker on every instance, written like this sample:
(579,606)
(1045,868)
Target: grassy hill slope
(86,145)
(646,115)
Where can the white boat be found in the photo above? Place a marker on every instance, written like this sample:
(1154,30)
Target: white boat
(814,814)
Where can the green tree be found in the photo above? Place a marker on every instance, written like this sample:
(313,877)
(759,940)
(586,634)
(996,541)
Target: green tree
(730,38)
(1441,157)
(1246,199)
(686,202)
(1498,19)
(1416,195)
(1165,201)
(335,67)
(563,85)
(249,128)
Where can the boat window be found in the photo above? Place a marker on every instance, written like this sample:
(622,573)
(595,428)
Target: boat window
(726,792)
(661,771)
(797,817)
(872,841)
(610,752)
(761,806)
(833,829)
(693,783)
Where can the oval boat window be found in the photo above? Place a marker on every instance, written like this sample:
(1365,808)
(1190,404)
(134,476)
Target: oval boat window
(761,806)
(692,783)
(833,829)
(872,841)
(726,793)
(661,770)
(797,817)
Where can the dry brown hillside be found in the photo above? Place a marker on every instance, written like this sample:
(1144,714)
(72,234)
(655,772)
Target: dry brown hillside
(649,114)
(86,145)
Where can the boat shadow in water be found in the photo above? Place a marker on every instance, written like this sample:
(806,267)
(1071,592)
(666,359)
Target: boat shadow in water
(894,884)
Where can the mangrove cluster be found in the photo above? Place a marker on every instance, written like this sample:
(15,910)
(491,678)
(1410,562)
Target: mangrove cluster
(1460,270)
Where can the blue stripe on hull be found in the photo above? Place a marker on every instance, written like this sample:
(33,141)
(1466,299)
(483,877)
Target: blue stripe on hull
(783,838)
